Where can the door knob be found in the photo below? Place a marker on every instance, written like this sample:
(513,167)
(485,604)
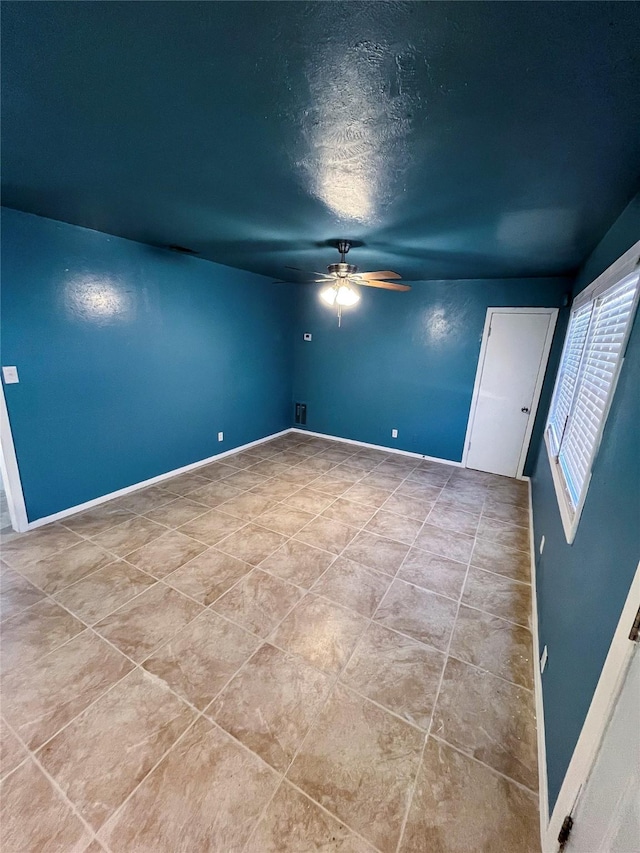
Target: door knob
(525,410)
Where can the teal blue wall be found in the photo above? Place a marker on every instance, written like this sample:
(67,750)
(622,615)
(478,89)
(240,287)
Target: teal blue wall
(405,360)
(131,359)
(582,587)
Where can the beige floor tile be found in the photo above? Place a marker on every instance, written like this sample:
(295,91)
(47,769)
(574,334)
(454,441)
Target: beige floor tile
(99,594)
(146,499)
(199,660)
(276,489)
(247,505)
(332,484)
(166,553)
(514,514)
(270,704)
(473,494)
(316,464)
(298,563)
(244,480)
(284,519)
(66,567)
(293,823)
(129,536)
(258,602)
(223,790)
(220,470)
(421,614)
(353,585)
(177,512)
(35,632)
(494,644)
(35,817)
(498,595)
(510,491)
(349,512)
(458,520)
(504,533)
(489,719)
(252,543)
(429,476)
(12,753)
(309,500)
(417,507)
(37,700)
(360,762)
(446,543)
(321,632)
(149,620)
(104,753)
(299,477)
(16,593)
(379,553)
(421,491)
(394,526)
(461,806)
(372,496)
(505,561)
(326,534)
(208,576)
(433,572)
(212,527)
(269,468)
(214,494)
(98,519)
(396,672)
(23,549)
(185,483)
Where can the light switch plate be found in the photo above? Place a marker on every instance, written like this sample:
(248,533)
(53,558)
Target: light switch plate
(10,375)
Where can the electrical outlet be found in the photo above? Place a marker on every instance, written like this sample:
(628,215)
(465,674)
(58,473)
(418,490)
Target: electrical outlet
(542,545)
(394,433)
(10,375)
(220,436)
(306,336)
(543,659)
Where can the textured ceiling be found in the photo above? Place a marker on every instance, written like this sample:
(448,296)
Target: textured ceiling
(453,140)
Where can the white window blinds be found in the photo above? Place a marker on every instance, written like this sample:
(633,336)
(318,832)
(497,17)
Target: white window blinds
(568,373)
(595,343)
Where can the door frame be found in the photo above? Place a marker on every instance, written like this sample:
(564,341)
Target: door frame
(553,315)
(600,710)
(10,470)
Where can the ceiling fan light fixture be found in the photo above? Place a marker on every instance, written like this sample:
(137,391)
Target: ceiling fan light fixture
(347,296)
(329,294)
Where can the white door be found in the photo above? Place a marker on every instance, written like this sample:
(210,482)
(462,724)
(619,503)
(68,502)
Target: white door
(607,816)
(510,373)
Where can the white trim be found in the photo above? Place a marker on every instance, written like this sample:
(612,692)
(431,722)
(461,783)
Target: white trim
(378,447)
(10,470)
(602,704)
(543,783)
(65,513)
(618,270)
(542,369)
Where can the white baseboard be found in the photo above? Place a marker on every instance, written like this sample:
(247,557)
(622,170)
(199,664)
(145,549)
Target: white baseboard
(65,513)
(378,447)
(543,785)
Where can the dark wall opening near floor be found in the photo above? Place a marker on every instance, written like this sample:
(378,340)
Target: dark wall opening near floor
(407,361)
(131,359)
(582,587)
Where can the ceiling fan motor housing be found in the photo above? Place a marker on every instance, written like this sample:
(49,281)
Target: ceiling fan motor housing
(342,270)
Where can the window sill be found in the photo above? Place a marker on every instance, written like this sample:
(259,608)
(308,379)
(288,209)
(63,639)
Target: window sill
(569,517)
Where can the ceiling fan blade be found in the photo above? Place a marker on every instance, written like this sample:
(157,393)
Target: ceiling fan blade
(384,285)
(376,275)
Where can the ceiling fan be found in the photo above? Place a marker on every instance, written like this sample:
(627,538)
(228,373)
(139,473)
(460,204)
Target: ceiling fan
(342,280)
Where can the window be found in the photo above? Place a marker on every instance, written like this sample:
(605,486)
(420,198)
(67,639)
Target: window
(599,327)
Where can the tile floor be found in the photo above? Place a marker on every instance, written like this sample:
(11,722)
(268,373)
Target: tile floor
(307,646)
